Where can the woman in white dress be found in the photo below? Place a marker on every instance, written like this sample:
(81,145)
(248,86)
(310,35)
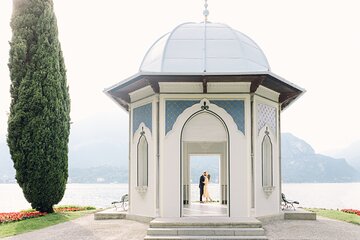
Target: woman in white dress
(206,188)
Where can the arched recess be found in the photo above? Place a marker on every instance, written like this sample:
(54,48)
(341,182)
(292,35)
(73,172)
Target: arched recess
(238,158)
(267,161)
(204,133)
(142,161)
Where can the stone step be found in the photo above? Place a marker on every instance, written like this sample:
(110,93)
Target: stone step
(109,214)
(206,231)
(299,214)
(201,222)
(205,237)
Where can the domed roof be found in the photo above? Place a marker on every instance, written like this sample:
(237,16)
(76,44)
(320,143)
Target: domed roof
(204,47)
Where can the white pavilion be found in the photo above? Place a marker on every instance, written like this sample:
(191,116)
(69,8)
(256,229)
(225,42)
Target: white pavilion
(204,89)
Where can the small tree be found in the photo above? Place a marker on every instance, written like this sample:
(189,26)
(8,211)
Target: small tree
(39,120)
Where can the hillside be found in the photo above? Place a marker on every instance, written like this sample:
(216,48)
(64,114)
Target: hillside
(200,164)
(300,164)
(351,153)
(98,151)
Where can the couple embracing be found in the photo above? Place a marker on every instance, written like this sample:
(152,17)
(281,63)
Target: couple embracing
(204,187)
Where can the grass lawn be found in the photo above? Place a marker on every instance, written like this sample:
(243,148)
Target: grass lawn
(336,214)
(15,228)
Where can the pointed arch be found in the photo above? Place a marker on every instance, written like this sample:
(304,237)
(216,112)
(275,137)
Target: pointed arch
(142,161)
(267,161)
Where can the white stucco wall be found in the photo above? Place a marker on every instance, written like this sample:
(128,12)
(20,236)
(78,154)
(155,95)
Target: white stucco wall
(142,202)
(266,204)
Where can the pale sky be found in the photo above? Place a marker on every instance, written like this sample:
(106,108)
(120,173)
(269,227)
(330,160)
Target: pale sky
(314,44)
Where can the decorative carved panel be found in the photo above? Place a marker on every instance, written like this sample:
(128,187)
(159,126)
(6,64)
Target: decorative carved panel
(266,115)
(142,114)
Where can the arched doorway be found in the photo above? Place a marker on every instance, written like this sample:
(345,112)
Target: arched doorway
(204,135)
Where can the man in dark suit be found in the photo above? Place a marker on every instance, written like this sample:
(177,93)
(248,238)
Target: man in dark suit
(201,186)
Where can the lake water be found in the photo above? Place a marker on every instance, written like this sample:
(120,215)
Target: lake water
(98,195)
(325,195)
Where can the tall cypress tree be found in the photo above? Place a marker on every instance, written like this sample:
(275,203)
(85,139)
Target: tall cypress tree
(39,120)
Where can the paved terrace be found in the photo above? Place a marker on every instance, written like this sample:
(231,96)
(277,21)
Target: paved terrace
(86,228)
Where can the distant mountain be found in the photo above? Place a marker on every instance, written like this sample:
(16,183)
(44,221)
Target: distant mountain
(199,164)
(101,140)
(300,164)
(352,154)
(98,149)
(101,174)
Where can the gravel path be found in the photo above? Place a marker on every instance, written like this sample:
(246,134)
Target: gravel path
(86,228)
(321,229)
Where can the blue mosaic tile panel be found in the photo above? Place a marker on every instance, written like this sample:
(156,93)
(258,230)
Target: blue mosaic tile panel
(266,116)
(235,108)
(142,114)
(173,108)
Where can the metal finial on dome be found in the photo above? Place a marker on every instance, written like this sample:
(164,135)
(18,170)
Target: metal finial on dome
(206,11)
